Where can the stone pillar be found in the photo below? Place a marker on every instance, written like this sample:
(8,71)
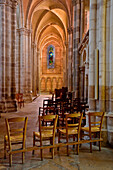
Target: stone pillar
(13,55)
(74,42)
(27,94)
(64,67)
(22,61)
(82,70)
(2,55)
(92,46)
(86,73)
(110,115)
(70,60)
(102,54)
(29,63)
(111,57)
(34,68)
(77,41)
(38,70)
(8,50)
(82,19)
(66,76)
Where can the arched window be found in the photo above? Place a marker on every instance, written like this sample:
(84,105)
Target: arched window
(50,56)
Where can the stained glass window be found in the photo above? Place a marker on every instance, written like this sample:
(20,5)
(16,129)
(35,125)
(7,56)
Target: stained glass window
(51,56)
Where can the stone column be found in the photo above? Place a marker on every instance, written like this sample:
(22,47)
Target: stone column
(2,55)
(66,83)
(77,41)
(38,70)
(70,60)
(86,73)
(92,46)
(74,42)
(111,57)
(13,55)
(28,65)
(82,19)
(110,115)
(102,54)
(82,70)
(22,61)
(8,49)
(64,67)
(34,66)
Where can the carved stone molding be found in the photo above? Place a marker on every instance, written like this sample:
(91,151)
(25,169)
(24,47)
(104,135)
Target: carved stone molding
(70,30)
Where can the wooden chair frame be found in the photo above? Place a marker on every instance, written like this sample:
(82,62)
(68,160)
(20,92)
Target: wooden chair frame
(95,127)
(15,136)
(20,100)
(46,132)
(72,129)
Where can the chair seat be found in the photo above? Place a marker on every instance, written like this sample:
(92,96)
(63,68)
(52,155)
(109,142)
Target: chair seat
(15,138)
(93,129)
(45,134)
(70,131)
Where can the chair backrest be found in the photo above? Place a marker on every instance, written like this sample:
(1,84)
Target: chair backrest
(48,111)
(19,96)
(73,121)
(52,119)
(95,119)
(16,127)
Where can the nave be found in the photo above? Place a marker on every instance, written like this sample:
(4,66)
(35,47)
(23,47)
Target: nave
(84,161)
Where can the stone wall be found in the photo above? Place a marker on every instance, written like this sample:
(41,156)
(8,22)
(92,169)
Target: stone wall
(51,78)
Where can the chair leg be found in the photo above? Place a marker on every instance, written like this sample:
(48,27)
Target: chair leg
(4,149)
(77,146)
(73,140)
(10,160)
(67,146)
(33,143)
(58,140)
(99,145)
(53,153)
(23,157)
(41,154)
(91,147)
(100,142)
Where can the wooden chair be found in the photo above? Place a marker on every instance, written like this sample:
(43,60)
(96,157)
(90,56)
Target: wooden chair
(20,100)
(16,134)
(94,128)
(46,132)
(72,128)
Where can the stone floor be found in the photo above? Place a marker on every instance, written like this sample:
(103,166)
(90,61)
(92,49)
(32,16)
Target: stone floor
(84,161)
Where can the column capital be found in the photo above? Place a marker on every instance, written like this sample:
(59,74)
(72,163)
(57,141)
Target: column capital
(70,30)
(33,44)
(66,44)
(75,2)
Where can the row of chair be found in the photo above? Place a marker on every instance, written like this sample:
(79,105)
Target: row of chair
(17,134)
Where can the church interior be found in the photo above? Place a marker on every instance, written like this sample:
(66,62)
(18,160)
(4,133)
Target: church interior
(57,54)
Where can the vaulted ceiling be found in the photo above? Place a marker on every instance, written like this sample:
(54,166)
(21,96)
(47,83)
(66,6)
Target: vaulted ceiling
(48,19)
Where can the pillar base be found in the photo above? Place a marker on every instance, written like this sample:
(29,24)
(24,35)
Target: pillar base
(110,128)
(8,106)
(28,97)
